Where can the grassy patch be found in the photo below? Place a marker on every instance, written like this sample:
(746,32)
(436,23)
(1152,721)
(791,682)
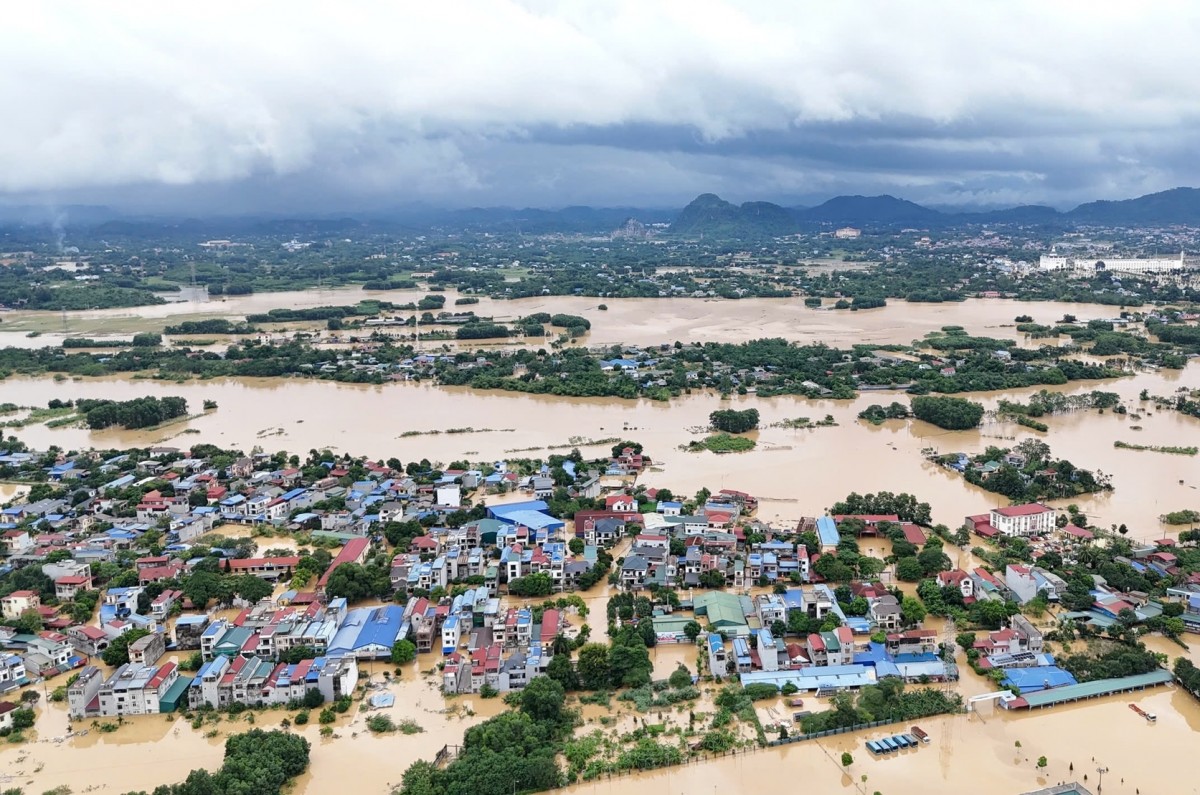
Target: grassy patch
(722,443)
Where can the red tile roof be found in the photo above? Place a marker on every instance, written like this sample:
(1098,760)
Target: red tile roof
(1030,509)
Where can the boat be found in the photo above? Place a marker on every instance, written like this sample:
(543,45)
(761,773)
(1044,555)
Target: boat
(1149,716)
(920,734)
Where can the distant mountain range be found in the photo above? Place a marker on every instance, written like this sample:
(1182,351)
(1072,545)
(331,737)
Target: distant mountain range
(707,215)
(710,215)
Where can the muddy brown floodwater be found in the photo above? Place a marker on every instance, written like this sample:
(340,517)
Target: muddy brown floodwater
(793,472)
(637,321)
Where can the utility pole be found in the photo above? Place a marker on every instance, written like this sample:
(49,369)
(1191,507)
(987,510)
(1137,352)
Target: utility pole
(1100,784)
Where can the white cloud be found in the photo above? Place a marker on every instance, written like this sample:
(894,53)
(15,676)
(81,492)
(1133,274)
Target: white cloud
(420,97)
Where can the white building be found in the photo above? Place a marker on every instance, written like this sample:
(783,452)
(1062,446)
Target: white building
(449,495)
(1117,264)
(1032,519)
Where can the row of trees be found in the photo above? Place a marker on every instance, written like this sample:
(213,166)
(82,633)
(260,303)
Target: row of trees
(141,412)
(886,700)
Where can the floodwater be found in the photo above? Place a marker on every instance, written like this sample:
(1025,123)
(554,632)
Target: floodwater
(794,472)
(636,321)
(976,753)
(146,751)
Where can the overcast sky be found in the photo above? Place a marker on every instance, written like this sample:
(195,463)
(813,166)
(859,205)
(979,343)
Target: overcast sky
(330,106)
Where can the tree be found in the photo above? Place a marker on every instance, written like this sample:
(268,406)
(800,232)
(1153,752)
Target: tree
(692,629)
(536,584)
(562,671)
(542,699)
(356,582)
(911,611)
(933,559)
(1041,762)
(23,719)
(833,569)
(951,413)
(594,671)
(629,663)
(989,613)
(403,652)
(734,421)
(117,652)
(576,546)
(680,677)
(251,588)
(908,569)
(847,759)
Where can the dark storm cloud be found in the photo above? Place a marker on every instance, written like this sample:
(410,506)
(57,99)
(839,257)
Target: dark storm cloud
(320,107)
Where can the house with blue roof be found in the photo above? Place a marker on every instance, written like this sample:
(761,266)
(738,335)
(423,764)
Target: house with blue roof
(368,633)
(827,532)
(622,365)
(1037,678)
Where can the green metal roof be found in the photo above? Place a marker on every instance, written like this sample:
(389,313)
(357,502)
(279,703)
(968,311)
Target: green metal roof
(171,699)
(721,609)
(1100,687)
(670,623)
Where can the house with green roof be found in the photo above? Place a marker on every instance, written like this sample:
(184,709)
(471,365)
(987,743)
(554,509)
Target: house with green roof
(723,612)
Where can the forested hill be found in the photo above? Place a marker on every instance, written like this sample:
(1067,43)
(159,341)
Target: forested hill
(709,215)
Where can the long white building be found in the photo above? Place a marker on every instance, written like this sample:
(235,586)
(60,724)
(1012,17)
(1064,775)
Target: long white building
(1081,264)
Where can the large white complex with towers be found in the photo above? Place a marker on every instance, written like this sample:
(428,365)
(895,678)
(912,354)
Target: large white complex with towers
(1116,264)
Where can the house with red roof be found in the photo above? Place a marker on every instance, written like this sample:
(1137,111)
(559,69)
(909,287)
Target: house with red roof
(957,578)
(620,503)
(1031,519)
(66,587)
(355,551)
(1078,534)
(267,568)
(19,602)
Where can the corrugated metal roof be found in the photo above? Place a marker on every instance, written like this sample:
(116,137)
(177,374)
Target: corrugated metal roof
(1100,687)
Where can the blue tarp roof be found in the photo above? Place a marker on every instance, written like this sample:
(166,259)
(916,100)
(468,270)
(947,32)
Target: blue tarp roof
(368,626)
(499,511)
(827,531)
(1042,677)
(534,520)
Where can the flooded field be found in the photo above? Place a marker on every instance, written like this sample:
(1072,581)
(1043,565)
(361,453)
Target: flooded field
(637,321)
